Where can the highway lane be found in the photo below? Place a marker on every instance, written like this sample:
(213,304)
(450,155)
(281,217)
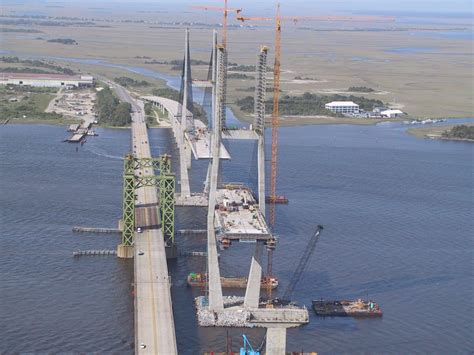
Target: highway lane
(154,322)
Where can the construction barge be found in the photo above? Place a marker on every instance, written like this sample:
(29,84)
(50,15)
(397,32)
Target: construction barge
(199,279)
(358,309)
(277,199)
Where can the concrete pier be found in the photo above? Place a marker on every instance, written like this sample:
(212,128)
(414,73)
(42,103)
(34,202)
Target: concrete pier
(276,341)
(252,293)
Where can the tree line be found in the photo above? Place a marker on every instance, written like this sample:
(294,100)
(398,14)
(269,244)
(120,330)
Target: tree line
(308,104)
(111,111)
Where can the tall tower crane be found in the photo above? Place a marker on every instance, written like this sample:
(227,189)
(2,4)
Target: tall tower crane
(276,97)
(225,10)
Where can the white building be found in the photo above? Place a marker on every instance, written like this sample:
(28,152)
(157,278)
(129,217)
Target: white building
(391,113)
(342,107)
(46,80)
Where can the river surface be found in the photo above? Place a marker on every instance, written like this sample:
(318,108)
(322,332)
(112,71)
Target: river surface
(397,212)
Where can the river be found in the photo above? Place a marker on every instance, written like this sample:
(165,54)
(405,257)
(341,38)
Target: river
(397,212)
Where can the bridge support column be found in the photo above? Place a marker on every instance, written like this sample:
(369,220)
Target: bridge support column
(259,123)
(216,301)
(261,173)
(125,251)
(183,167)
(252,293)
(276,341)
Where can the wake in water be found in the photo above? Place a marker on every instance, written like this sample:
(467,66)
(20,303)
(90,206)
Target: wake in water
(101,153)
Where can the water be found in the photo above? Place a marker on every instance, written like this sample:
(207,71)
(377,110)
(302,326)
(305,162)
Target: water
(465,35)
(413,50)
(397,212)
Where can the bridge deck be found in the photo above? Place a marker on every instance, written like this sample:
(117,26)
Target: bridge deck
(154,322)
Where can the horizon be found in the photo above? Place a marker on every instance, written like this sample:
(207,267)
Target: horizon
(456,8)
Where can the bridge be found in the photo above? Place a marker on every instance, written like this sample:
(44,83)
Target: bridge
(234,215)
(154,322)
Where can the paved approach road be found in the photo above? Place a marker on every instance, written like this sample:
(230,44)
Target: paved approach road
(154,322)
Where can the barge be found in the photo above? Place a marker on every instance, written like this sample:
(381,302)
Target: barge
(276,199)
(359,308)
(199,279)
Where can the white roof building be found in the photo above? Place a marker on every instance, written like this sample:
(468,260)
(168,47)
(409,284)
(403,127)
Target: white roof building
(46,80)
(391,113)
(342,107)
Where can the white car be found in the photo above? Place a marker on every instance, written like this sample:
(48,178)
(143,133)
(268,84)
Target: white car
(139,230)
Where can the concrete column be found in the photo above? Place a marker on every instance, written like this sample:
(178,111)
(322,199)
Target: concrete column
(216,301)
(252,293)
(184,110)
(261,173)
(213,103)
(188,155)
(183,167)
(276,341)
(208,178)
(183,149)
(215,288)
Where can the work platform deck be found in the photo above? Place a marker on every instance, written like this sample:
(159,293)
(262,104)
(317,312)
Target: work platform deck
(238,216)
(238,134)
(199,138)
(195,200)
(235,314)
(200,142)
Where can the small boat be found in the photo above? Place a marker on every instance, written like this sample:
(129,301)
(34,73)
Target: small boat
(359,308)
(92,133)
(276,199)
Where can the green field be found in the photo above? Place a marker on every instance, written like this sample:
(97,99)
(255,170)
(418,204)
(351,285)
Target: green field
(26,103)
(425,84)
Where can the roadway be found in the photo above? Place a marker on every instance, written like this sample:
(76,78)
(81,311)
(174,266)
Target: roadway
(154,322)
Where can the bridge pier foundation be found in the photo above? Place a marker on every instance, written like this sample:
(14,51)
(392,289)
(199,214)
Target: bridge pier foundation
(276,341)
(171,251)
(125,251)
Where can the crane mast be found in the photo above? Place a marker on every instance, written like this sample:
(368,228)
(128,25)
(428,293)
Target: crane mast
(224,26)
(275,123)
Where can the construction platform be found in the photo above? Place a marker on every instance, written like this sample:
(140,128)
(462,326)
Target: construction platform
(195,200)
(200,279)
(235,315)
(238,218)
(239,134)
(200,142)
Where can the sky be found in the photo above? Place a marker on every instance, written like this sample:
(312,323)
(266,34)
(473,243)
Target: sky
(459,7)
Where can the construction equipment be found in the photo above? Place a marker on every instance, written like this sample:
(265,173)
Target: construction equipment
(247,349)
(303,263)
(225,10)
(275,123)
(273,198)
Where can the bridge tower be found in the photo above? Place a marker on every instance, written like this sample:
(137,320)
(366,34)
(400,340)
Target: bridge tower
(216,301)
(186,119)
(166,182)
(252,293)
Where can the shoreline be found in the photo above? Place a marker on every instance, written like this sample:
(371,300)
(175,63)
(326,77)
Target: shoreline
(24,121)
(437,131)
(285,121)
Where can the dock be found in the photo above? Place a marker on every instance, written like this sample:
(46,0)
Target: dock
(77,229)
(94,252)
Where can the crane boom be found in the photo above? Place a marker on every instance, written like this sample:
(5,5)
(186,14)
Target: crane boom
(303,263)
(225,10)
